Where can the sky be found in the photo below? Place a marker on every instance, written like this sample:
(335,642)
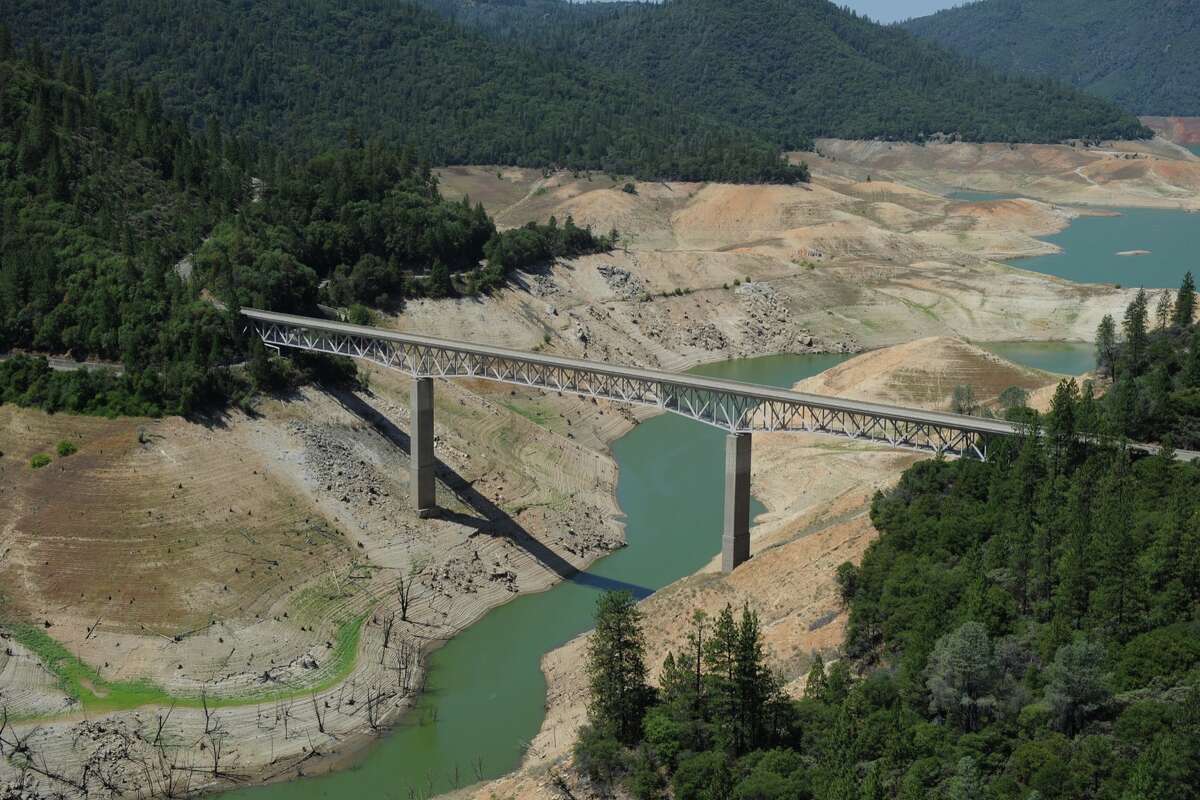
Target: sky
(894,10)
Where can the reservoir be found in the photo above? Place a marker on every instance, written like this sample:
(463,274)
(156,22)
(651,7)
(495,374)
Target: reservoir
(1062,358)
(1091,246)
(485,693)
(1167,241)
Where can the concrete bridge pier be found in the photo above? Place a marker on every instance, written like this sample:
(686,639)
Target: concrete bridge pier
(735,543)
(421,483)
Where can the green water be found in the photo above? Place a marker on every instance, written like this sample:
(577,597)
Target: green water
(1195,149)
(1063,358)
(1090,246)
(485,693)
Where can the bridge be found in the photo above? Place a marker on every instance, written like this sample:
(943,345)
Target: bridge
(737,408)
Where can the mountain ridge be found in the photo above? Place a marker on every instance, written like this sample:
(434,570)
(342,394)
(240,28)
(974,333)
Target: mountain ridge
(692,89)
(1138,54)
(800,69)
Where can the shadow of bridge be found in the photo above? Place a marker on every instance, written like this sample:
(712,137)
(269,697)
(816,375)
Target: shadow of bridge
(486,517)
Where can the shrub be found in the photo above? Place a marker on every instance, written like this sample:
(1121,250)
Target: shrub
(645,781)
(847,581)
(599,755)
(40,460)
(706,775)
(66,448)
(359,315)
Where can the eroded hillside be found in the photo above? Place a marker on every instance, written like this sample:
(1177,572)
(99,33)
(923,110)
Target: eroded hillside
(256,558)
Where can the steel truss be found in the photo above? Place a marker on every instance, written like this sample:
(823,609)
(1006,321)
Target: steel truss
(728,410)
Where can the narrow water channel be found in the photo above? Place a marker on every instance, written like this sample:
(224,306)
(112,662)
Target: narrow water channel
(486,695)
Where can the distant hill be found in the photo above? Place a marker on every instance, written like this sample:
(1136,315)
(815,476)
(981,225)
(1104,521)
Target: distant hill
(1141,54)
(311,74)
(796,69)
(691,89)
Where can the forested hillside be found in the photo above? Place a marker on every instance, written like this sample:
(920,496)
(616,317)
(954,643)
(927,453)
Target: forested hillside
(1023,629)
(1139,53)
(314,74)
(127,238)
(687,89)
(795,69)
(101,196)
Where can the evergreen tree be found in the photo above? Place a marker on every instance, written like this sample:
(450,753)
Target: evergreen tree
(1185,302)
(1136,338)
(814,687)
(720,668)
(1077,686)
(1106,346)
(1162,311)
(438,284)
(967,783)
(962,673)
(616,668)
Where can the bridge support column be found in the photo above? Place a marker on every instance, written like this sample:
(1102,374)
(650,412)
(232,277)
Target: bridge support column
(422,486)
(735,543)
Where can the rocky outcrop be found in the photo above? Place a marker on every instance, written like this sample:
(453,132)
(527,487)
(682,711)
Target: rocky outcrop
(768,326)
(624,284)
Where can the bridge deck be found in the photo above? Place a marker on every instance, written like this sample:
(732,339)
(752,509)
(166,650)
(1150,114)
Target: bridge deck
(730,405)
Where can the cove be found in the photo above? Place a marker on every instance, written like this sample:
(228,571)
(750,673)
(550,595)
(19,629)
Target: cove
(485,693)
(1090,246)
(1061,358)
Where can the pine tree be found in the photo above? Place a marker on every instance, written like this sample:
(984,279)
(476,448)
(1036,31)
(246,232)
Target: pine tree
(616,668)
(814,687)
(1162,312)
(720,675)
(1185,302)
(439,284)
(1061,425)
(967,783)
(1115,602)
(1106,346)
(1191,368)
(755,684)
(1136,339)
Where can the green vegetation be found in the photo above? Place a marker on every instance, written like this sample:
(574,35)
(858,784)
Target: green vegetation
(1141,55)
(312,74)
(82,682)
(1022,628)
(39,460)
(100,195)
(617,669)
(797,69)
(1155,367)
(127,238)
(66,448)
(98,695)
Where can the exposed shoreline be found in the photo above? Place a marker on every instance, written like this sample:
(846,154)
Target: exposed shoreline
(711,273)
